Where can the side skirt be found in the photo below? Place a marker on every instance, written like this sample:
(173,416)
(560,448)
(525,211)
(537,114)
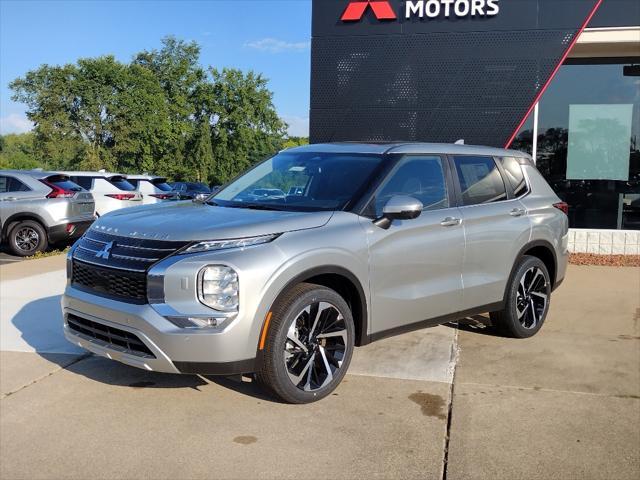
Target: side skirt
(432,322)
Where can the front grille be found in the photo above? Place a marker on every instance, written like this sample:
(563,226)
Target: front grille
(115,266)
(130,287)
(112,337)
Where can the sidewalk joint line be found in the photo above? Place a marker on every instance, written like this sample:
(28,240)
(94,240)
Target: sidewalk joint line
(12,392)
(447,437)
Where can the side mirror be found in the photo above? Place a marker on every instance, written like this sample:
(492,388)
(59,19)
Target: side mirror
(399,207)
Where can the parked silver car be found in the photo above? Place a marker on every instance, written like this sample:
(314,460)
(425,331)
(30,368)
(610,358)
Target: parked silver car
(38,208)
(382,239)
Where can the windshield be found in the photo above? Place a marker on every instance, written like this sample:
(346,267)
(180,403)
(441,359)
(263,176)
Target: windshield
(161,184)
(303,181)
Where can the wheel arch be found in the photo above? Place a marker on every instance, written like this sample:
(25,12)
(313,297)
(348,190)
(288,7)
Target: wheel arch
(541,249)
(346,284)
(18,217)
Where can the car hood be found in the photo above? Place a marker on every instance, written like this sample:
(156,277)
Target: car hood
(189,221)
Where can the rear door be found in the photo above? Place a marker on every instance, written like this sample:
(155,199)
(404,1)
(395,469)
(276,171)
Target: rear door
(496,227)
(415,265)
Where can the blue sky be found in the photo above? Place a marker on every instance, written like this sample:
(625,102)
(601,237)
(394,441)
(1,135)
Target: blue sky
(268,36)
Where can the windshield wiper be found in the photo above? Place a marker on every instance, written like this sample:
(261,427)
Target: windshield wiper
(255,206)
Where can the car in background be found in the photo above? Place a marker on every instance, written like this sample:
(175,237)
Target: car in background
(111,191)
(190,190)
(153,189)
(39,208)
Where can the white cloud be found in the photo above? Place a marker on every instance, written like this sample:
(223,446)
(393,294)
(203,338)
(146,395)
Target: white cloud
(273,45)
(298,126)
(15,123)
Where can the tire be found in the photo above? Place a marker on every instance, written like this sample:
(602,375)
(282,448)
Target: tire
(299,363)
(527,300)
(26,238)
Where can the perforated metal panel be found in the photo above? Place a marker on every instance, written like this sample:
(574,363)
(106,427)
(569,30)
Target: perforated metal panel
(435,86)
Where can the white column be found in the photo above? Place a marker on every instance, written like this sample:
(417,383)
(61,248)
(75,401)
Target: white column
(534,146)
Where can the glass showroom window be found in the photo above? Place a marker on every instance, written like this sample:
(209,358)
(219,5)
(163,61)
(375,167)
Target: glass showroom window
(589,142)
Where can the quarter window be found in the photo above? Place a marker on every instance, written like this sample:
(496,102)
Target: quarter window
(480,180)
(10,184)
(515,176)
(421,177)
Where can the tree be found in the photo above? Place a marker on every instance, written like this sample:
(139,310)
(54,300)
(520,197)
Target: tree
(245,126)
(161,113)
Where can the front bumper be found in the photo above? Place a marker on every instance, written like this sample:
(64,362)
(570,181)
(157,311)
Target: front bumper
(174,350)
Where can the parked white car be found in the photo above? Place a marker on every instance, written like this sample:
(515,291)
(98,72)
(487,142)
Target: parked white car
(153,189)
(111,191)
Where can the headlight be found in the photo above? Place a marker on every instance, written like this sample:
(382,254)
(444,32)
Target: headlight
(212,245)
(218,288)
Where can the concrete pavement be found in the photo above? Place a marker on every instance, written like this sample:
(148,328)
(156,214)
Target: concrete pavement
(565,404)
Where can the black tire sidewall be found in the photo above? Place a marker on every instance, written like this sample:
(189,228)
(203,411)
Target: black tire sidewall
(511,314)
(285,387)
(42,238)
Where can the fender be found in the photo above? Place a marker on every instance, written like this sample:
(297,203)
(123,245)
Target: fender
(362,338)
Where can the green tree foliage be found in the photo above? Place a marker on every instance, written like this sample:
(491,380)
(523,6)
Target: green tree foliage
(160,113)
(17,151)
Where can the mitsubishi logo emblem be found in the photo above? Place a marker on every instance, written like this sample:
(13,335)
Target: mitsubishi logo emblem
(106,251)
(356,9)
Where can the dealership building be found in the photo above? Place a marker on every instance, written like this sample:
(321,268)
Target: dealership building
(559,79)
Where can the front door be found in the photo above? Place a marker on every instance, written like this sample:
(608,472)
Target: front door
(415,265)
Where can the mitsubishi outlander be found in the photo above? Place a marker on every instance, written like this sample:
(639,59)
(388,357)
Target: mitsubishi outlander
(371,240)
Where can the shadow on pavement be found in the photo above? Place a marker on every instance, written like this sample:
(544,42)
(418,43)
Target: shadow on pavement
(40,326)
(476,324)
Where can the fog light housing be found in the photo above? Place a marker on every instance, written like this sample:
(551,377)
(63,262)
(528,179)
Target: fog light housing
(218,288)
(195,322)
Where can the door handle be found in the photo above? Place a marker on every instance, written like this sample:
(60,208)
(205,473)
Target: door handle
(450,222)
(9,199)
(517,212)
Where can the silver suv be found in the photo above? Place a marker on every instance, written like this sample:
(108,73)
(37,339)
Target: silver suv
(38,208)
(375,240)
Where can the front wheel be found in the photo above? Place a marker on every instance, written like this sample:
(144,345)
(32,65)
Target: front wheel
(527,300)
(308,345)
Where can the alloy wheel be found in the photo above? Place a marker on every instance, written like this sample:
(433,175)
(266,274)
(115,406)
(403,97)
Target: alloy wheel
(532,297)
(315,347)
(27,239)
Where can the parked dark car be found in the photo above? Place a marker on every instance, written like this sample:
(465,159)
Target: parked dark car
(189,190)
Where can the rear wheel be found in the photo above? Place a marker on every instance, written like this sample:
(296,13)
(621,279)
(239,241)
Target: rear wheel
(27,238)
(308,346)
(527,301)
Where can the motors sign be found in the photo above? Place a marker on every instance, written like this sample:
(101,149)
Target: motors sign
(424,9)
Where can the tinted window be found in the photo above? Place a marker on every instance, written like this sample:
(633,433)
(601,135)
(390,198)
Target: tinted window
(133,182)
(419,177)
(480,180)
(331,180)
(515,176)
(121,183)
(84,182)
(198,187)
(10,184)
(161,184)
(64,183)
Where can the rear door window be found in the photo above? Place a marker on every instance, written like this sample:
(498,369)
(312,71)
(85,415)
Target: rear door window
(121,183)
(480,180)
(10,184)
